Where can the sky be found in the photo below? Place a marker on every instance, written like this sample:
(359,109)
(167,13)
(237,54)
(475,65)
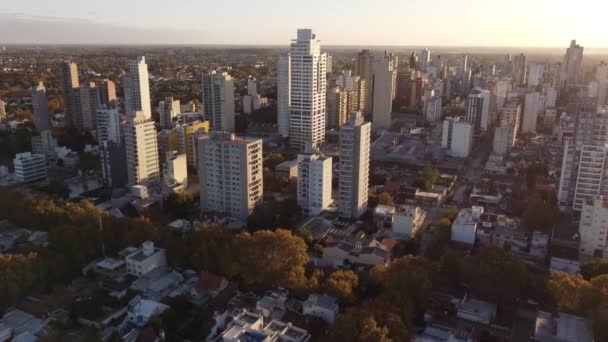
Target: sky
(521,23)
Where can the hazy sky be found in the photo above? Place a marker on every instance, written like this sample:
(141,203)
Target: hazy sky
(337,22)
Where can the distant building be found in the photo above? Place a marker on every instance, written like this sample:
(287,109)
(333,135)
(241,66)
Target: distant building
(107,92)
(561,327)
(384,81)
(531,109)
(457,137)
(40,108)
(231,175)
(69,82)
(145,259)
(477,110)
(535,74)
(141,144)
(30,167)
(337,107)
(464,227)
(519,69)
(44,143)
(137,89)
(168,110)
(314,183)
(571,67)
(354,167)
(503,139)
(432,109)
(86,102)
(363,69)
(218,100)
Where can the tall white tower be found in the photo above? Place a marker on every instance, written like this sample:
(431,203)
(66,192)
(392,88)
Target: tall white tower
(137,89)
(353,186)
(307,90)
(384,81)
(142,152)
(314,183)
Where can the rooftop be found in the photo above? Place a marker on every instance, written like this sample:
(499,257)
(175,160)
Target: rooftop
(561,327)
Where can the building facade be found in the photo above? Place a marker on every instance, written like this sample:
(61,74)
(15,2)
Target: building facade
(314,183)
(218,100)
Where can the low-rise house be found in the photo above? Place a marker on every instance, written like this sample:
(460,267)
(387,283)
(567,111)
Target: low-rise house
(336,254)
(16,322)
(571,267)
(273,304)
(407,221)
(475,310)
(439,333)
(322,306)
(248,326)
(145,259)
(158,284)
(561,327)
(383,215)
(287,170)
(209,285)
(141,310)
(464,228)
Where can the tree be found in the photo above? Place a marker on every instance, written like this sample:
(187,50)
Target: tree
(594,268)
(273,160)
(269,259)
(342,284)
(305,234)
(495,274)
(545,222)
(178,204)
(407,282)
(385,199)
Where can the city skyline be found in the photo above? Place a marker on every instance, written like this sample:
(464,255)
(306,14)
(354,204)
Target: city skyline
(387,22)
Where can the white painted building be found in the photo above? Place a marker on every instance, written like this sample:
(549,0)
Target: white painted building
(503,139)
(323,306)
(137,89)
(477,109)
(176,170)
(141,144)
(30,167)
(593,228)
(314,183)
(535,74)
(307,80)
(145,259)
(218,100)
(408,220)
(384,81)
(457,137)
(354,152)
(108,123)
(464,228)
(432,109)
(231,174)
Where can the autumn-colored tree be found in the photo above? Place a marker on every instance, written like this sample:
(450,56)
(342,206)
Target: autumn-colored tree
(568,291)
(342,284)
(316,278)
(385,199)
(594,268)
(273,160)
(272,258)
(408,281)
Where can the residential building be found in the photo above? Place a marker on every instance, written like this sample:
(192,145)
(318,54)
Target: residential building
(593,230)
(477,110)
(107,92)
(561,327)
(307,91)
(175,175)
(510,115)
(320,305)
(113,157)
(40,108)
(108,123)
(384,81)
(535,74)
(230,171)
(252,101)
(44,143)
(69,82)
(218,100)
(287,170)
(407,221)
(432,109)
(585,158)
(464,227)
(168,110)
(187,139)
(30,167)
(476,310)
(314,183)
(571,67)
(137,89)
(142,151)
(283,94)
(86,102)
(424,60)
(519,69)
(457,137)
(140,311)
(531,109)
(503,139)
(337,107)
(247,326)
(145,259)
(364,65)
(354,167)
